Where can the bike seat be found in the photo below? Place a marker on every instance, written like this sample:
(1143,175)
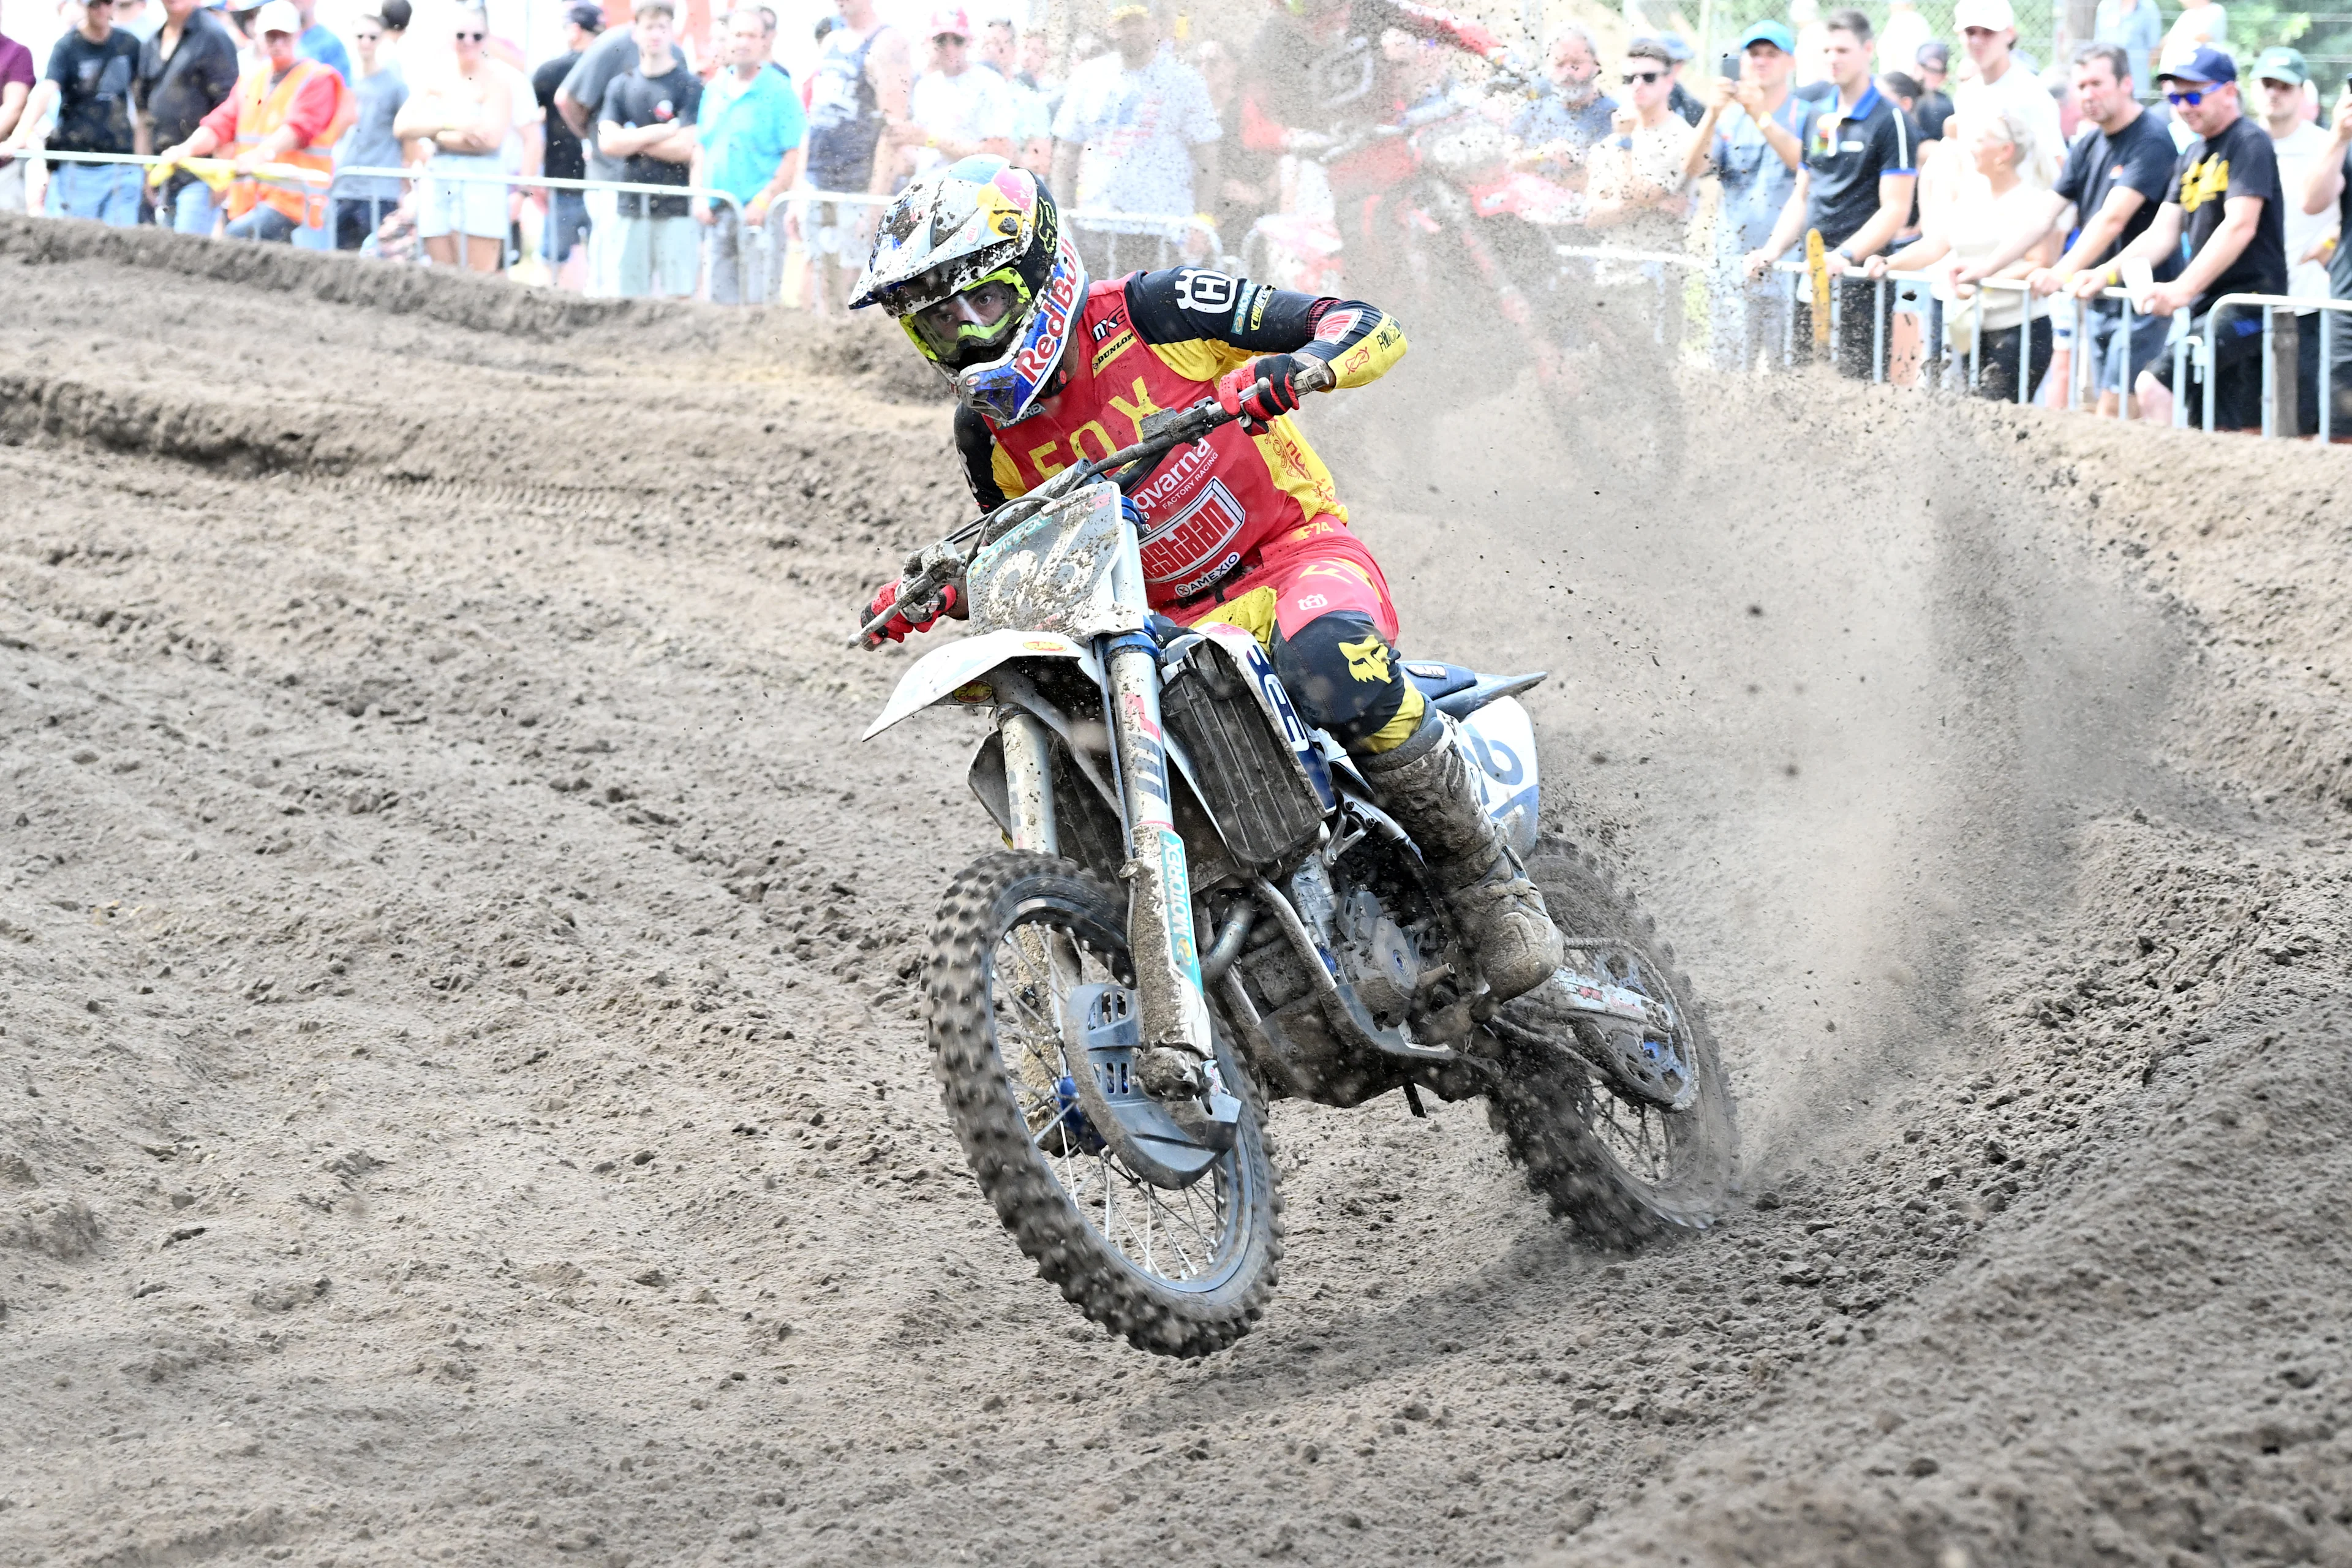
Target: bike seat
(1436,680)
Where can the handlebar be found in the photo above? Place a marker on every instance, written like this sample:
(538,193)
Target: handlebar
(934,568)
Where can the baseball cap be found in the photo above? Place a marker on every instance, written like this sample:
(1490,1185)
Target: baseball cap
(2208,65)
(1677,49)
(1993,16)
(589,17)
(1776,33)
(278,17)
(1935,54)
(2279,63)
(949,19)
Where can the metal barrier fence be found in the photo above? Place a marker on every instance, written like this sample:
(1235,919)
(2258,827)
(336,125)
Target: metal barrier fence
(292,174)
(2185,344)
(1165,231)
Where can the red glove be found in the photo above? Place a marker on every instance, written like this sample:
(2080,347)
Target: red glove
(897,628)
(1239,391)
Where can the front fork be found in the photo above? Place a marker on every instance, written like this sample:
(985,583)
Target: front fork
(1169,1002)
(1159,887)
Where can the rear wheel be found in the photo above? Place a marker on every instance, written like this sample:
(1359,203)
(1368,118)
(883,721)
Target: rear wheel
(1622,1161)
(1178,1271)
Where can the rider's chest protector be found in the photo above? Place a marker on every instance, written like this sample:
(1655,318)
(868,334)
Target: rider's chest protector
(1208,505)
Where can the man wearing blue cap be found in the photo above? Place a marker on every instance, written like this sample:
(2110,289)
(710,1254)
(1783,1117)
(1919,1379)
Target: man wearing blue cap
(1753,136)
(2224,202)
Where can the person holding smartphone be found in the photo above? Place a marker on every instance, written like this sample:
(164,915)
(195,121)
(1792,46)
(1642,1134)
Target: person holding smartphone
(1751,137)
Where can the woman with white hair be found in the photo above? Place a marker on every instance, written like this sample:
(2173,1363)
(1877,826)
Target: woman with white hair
(1970,227)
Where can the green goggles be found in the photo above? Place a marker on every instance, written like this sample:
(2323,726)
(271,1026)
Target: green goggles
(976,316)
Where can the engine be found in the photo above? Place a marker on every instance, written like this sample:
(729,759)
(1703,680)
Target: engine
(1377,956)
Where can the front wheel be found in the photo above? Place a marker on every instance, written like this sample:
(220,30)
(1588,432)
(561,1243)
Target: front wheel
(1180,1271)
(1626,1144)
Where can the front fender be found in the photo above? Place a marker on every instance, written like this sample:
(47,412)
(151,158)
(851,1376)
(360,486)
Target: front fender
(947,668)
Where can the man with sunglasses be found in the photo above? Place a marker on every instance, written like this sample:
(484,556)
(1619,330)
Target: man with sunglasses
(1244,527)
(1639,185)
(2224,203)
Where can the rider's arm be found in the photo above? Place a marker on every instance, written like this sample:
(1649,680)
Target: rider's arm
(991,475)
(1184,306)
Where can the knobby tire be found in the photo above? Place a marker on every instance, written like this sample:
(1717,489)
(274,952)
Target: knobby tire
(985,902)
(1544,1104)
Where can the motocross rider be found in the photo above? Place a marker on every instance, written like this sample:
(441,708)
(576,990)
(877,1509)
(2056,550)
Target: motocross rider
(1242,527)
(1316,69)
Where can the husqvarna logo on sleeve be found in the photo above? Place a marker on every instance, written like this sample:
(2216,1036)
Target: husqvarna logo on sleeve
(1209,292)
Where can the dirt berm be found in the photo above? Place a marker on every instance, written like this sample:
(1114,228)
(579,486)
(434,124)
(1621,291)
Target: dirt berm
(461,1096)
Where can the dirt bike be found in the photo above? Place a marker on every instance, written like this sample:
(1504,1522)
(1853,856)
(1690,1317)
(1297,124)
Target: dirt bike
(1193,867)
(1433,216)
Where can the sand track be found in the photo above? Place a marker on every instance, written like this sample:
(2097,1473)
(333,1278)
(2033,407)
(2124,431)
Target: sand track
(459,1095)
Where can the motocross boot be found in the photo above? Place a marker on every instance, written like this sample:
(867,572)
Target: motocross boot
(1426,785)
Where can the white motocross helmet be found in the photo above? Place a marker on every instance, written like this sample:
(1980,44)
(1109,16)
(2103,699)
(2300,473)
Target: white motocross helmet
(971,261)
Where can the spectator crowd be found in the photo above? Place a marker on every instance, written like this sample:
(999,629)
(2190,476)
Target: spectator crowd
(1958,199)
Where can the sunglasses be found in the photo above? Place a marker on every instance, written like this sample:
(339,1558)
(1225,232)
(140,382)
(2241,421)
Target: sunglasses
(2190,100)
(463,37)
(1630,78)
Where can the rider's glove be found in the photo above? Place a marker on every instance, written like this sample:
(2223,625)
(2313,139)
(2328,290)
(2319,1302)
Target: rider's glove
(897,628)
(1239,392)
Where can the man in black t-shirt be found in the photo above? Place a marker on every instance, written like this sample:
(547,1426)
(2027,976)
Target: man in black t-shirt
(185,71)
(2116,177)
(2224,203)
(89,81)
(1861,169)
(648,121)
(567,211)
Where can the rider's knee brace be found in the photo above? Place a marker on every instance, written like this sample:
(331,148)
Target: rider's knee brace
(1346,679)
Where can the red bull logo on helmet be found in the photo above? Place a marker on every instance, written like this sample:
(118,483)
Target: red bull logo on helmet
(1044,349)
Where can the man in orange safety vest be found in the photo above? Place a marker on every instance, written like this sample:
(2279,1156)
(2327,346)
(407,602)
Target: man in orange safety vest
(286,110)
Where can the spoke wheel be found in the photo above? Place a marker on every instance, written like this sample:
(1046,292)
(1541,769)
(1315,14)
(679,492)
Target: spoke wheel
(1179,1270)
(1615,1164)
